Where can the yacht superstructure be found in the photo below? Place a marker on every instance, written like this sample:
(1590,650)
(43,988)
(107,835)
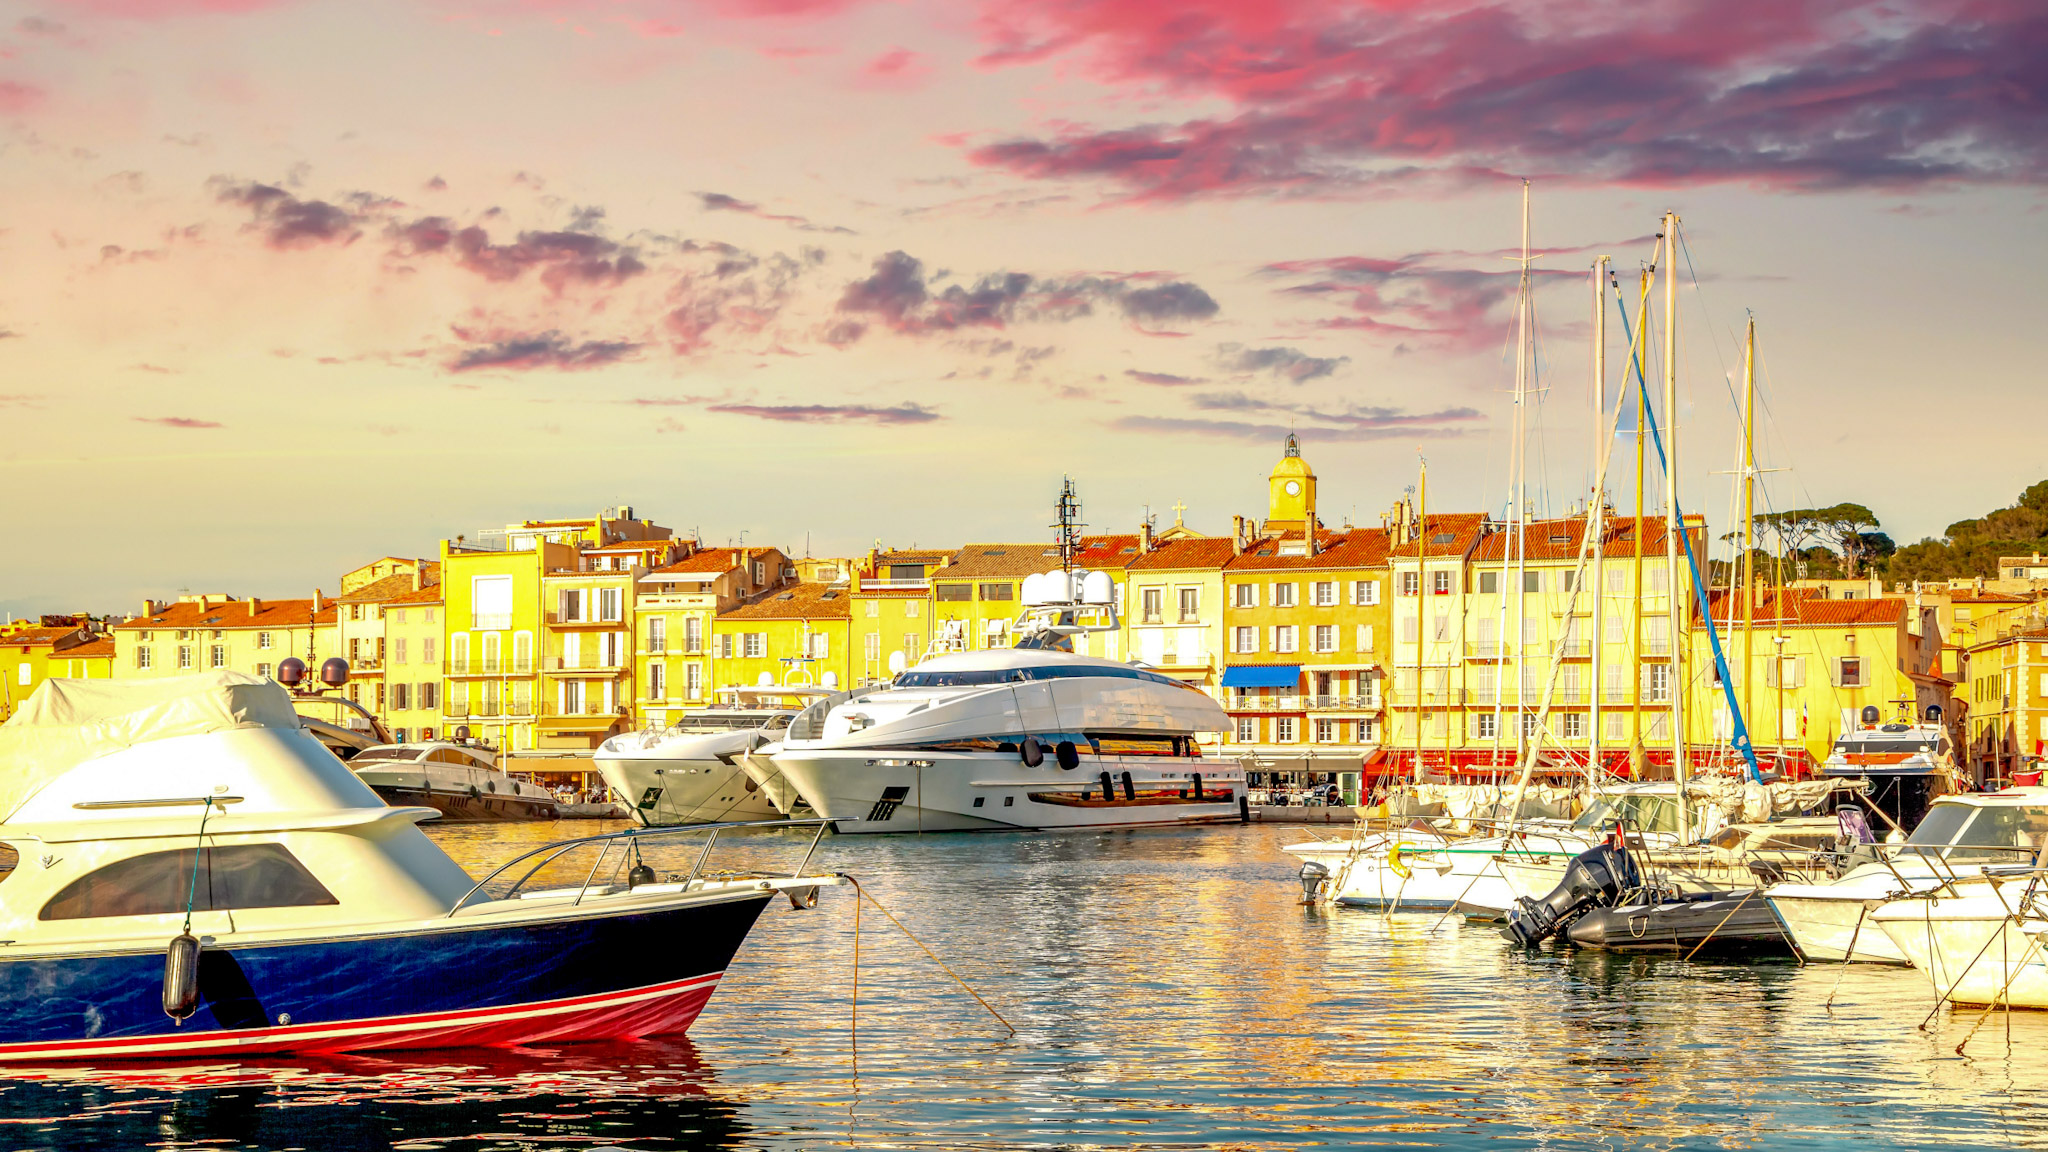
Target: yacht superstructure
(1022,738)
(460,781)
(695,771)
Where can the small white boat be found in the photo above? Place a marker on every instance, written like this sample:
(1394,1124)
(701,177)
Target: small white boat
(1420,868)
(1960,837)
(199,878)
(460,781)
(695,771)
(1978,941)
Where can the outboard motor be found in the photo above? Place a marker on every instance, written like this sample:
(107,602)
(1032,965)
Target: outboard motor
(1595,878)
(1314,874)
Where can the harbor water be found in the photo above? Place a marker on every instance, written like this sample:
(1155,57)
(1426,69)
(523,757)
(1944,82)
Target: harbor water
(1168,990)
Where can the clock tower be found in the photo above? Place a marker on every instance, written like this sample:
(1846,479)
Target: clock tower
(1291,494)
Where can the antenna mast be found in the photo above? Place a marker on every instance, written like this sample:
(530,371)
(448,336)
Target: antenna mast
(1068,527)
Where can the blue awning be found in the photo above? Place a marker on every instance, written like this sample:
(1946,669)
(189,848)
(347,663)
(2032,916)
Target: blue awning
(1263,676)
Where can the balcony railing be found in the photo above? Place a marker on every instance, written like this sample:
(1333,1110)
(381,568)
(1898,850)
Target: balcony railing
(554,617)
(489,667)
(582,661)
(587,708)
(919,585)
(490,620)
(455,708)
(369,664)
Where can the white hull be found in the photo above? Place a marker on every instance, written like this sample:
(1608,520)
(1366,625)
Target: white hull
(1440,874)
(869,791)
(1971,950)
(676,778)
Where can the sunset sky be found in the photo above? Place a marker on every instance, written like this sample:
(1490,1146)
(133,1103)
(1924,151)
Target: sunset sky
(290,285)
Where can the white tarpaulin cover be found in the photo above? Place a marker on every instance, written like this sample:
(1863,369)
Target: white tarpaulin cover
(65,723)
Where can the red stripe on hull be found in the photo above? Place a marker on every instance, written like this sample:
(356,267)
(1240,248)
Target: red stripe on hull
(658,1010)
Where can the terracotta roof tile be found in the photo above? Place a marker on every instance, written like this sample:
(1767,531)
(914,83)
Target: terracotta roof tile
(795,602)
(1450,534)
(1553,540)
(379,591)
(1202,552)
(1107,551)
(1801,608)
(1008,561)
(1358,548)
(431,594)
(706,560)
(36,636)
(104,646)
(233,614)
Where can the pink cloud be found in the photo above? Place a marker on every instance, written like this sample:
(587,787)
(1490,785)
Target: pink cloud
(177,422)
(168,9)
(1321,96)
(17,98)
(896,68)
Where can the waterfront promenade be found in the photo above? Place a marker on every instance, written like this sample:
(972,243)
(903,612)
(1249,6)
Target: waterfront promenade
(1168,992)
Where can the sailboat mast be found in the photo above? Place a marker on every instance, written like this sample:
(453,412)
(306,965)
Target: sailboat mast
(1672,526)
(1598,522)
(1421,579)
(1748,567)
(1518,514)
(1635,631)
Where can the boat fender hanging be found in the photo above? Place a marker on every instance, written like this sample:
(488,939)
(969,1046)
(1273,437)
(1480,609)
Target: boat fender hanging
(181,977)
(641,874)
(473,793)
(1032,751)
(1068,756)
(1394,863)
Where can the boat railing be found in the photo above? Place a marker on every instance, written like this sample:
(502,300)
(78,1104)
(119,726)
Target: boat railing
(629,841)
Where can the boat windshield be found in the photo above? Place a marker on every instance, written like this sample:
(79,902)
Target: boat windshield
(1646,812)
(1911,747)
(2002,832)
(407,754)
(976,677)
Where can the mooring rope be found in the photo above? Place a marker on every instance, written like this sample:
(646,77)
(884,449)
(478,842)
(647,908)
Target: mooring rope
(862,892)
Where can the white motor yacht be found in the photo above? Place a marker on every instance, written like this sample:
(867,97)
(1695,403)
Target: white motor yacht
(695,771)
(1028,737)
(1959,838)
(198,877)
(460,781)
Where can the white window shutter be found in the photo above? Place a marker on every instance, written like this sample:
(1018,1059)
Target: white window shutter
(1835,672)
(1799,672)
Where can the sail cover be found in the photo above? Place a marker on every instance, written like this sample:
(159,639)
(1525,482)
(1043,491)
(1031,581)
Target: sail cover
(65,723)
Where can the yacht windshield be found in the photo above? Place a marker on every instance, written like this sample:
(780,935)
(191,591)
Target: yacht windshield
(976,677)
(2002,832)
(1938,829)
(388,754)
(1910,747)
(1647,813)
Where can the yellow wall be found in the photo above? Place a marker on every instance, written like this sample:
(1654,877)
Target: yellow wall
(495,694)
(781,640)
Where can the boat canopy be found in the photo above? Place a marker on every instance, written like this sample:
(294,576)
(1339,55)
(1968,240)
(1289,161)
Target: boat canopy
(1263,676)
(65,723)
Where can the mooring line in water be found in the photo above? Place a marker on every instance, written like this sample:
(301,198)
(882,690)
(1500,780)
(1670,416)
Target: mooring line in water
(1725,919)
(1942,997)
(1847,957)
(2011,973)
(863,892)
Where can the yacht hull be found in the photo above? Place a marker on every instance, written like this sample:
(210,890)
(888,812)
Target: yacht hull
(589,977)
(865,791)
(1832,925)
(1422,873)
(664,793)
(1971,950)
(463,808)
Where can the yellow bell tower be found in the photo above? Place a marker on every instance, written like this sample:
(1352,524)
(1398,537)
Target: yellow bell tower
(1291,494)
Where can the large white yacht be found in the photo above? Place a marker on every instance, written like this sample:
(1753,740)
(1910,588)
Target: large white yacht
(460,781)
(1030,737)
(694,771)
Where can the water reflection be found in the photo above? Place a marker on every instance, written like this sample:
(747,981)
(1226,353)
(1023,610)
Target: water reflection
(1169,990)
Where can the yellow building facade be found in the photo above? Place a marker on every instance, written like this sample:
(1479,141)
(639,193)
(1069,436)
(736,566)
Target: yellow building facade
(53,647)
(796,635)
(201,633)
(415,629)
(676,607)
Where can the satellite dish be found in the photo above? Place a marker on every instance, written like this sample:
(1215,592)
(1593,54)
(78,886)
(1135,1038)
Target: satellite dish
(1097,589)
(897,663)
(290,671)
(1034,589)
(830,680)
(766,680)
(334,671)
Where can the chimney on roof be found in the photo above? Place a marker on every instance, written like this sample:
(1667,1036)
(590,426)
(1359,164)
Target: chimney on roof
(255,606)
(418,574)
(1237,535)
(316,601)
(1145,535)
